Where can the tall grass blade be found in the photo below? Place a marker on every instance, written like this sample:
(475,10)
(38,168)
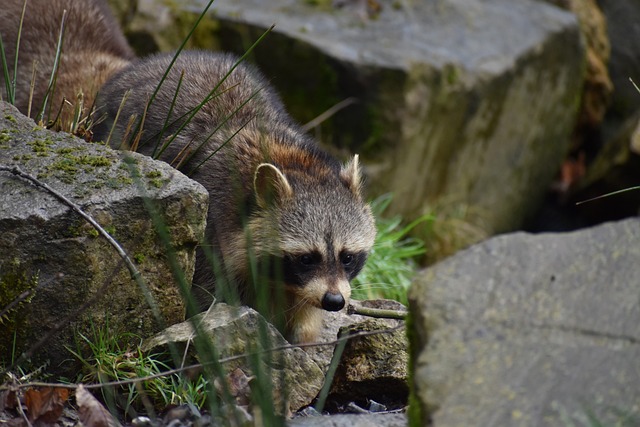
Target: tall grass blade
(32,86)
(213,91)
(115,120)
(54,71)
(613,193)
(165,126)
(5,72)
(217,128)
(331,372)
(15,63)
(173,61)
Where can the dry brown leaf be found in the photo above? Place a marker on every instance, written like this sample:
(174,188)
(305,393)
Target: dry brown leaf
(92,413)
(45,404)
(8,400)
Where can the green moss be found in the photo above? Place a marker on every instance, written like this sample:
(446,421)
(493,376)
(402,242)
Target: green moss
(16,284)
(119,182)
(68,150)
(139,258)
(70,164)
(153,174)
(93,232)
(42,147)
(10,118)
(157,183)
(4,136)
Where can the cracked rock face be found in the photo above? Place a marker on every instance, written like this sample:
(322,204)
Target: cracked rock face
(530,330)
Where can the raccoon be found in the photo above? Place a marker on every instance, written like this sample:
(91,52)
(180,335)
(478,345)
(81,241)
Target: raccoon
(279,205)
(93,49)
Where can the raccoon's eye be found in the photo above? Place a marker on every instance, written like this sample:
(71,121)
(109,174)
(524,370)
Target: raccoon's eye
(307,259)
(346,259)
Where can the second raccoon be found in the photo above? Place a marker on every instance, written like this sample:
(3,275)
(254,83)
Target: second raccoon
(275,197)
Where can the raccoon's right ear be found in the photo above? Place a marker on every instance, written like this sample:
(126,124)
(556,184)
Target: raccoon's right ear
(350,175)
(270,185)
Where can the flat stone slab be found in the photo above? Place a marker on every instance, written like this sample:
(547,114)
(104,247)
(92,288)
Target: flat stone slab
(530,330)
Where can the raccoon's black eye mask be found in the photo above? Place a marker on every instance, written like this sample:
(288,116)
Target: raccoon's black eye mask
(353,262)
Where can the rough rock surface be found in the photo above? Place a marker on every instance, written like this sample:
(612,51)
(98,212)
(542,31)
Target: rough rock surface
(333,321)
(348,420)
(530,330)
(373,367)
(455,96)
(237,330)
(47,248)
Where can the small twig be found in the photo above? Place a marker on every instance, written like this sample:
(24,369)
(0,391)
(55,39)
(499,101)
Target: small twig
(201,365)
(327,114)
(21,410)
(377,312)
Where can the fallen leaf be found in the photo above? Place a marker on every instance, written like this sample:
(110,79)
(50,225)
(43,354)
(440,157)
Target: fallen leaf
(8,400)
(45,404)
(92,413)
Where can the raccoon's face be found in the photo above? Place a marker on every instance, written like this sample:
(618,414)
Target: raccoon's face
(324,234)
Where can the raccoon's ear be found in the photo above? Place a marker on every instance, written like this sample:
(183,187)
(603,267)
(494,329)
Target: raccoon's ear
(350,174)
(270,185)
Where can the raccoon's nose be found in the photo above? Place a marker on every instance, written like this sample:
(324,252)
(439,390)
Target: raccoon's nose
(332,302)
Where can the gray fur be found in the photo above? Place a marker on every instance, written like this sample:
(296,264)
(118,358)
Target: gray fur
(93,47)
(326,212)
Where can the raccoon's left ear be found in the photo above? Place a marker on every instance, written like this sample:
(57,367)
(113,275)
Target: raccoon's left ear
(350,174)
(270,185)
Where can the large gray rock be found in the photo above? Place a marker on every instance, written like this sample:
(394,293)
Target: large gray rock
(455,97)
(48,249)
(530,330)
(236,331)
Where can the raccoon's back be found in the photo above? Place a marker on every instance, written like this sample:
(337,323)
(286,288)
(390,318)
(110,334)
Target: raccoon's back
(93,49)
(243,98)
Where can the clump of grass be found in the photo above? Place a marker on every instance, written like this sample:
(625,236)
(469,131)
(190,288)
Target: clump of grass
(391,264)
(112,359)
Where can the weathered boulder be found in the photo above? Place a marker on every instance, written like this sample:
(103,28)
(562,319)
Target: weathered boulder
(49,250)
(529,330)
(597,83)
(472,103)
(237,330)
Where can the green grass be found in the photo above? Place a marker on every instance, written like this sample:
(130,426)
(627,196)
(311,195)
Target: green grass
(391,264)
(110,359)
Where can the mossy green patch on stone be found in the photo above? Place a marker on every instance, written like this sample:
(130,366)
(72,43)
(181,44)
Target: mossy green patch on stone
(4,136)
(10,118)
(42,147)
(16,286)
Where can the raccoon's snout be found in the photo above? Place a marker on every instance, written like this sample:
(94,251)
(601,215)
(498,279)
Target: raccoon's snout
(333,302)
